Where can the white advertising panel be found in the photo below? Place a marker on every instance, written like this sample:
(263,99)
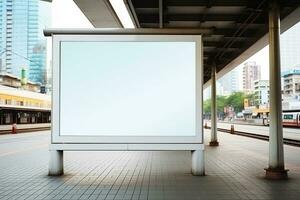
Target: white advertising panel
(127,89)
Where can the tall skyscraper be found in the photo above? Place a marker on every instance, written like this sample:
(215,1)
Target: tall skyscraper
(251,72)
(21,40)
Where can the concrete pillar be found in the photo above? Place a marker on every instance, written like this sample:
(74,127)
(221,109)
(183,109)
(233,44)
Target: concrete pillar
(276,168)
(56,163)
(198,163)
(214,138)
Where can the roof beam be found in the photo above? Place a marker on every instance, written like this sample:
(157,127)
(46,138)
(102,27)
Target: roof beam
(202,17)
(220,44)
(154,18)
(153,3)
(230,32)
(161,19)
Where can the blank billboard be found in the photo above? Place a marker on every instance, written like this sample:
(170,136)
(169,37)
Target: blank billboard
(135,88)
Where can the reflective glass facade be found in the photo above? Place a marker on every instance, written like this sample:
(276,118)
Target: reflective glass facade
(21,40)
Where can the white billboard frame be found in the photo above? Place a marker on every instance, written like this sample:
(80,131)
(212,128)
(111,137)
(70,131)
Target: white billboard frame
(60,143)
(57,137)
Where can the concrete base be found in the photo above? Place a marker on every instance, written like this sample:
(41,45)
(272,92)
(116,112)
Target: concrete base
(198,163)
(56,165)
(276,174)
(214,143)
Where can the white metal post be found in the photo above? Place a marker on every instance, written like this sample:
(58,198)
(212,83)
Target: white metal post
(276,168)
(214,138)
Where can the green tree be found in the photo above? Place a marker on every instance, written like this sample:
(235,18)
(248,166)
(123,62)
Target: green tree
(221,100)
(207,106)
(236,100)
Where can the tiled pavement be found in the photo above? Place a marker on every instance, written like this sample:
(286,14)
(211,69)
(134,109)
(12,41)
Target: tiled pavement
(234,171)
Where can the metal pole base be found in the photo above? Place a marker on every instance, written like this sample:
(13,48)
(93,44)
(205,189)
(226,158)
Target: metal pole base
(56,163)
(276,174)
(198,163)
(214,143)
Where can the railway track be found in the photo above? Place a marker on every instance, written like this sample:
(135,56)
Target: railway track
(260,137)
(24,130)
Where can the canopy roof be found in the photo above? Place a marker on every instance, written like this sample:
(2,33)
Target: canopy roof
(236,25)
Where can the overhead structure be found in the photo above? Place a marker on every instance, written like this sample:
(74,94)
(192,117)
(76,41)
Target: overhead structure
(236,25)
(99,13)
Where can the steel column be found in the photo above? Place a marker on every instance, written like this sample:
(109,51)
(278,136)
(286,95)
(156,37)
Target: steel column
(161,19)
(214,138)
(276,168)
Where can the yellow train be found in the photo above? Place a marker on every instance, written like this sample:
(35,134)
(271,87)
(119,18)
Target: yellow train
(23,107)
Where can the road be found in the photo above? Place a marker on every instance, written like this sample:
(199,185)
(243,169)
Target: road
(24,142)
(289,133)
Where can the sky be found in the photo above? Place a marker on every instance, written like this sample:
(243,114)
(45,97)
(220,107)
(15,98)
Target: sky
(66,14)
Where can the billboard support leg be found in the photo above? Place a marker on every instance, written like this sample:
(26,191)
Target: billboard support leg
(56,163)
(198,162)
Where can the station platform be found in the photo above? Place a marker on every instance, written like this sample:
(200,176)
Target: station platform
(234,170)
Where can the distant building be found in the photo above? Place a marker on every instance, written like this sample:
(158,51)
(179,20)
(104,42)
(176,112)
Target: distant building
(229,82)
(207,91)
(261,92)
(291,83)
(251,72)
(21,43)
(15,82)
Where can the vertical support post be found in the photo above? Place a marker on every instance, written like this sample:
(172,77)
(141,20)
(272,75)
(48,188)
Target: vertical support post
(276,168)
(214,138)
(56,163)
(161,18)
(198,162)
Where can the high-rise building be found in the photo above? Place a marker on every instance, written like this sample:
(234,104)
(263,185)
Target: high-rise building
(251,72)
(230,82)
(21,40)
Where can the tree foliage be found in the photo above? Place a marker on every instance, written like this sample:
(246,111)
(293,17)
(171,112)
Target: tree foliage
(235,100)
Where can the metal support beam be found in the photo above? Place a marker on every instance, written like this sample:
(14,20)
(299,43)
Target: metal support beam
(161,16)
(214,138)
(276,168)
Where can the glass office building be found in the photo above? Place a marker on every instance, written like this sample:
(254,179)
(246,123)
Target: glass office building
(21,41)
